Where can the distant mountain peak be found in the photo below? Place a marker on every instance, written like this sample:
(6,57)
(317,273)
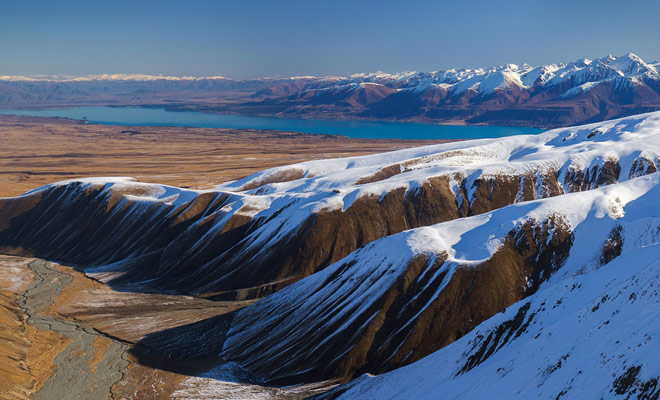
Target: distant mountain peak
(551,95)
(104,77)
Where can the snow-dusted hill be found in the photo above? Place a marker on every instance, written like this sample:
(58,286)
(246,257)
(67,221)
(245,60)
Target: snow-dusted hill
(397,299)
(590,331)
(368,264)
(282,224)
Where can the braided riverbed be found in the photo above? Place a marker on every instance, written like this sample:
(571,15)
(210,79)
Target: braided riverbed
(65,336)
(77,373)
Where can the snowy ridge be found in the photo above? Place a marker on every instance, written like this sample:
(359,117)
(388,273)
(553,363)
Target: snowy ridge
(551,351)
(296,321)
(555,151)
(481,80)
(484,81)
(131,189)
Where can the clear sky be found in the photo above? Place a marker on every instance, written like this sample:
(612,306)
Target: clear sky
(254,38)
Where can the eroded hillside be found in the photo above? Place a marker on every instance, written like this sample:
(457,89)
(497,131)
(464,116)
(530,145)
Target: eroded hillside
(363,264)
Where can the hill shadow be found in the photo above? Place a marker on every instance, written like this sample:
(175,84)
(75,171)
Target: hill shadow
(193,350)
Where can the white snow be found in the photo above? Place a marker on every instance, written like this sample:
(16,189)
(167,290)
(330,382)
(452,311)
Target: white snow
(578,90)
(483,81)
(565,320)
(582,74)
(104,77)
(590,323)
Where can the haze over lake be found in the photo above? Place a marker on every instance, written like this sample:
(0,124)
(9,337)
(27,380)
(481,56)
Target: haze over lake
(355,129)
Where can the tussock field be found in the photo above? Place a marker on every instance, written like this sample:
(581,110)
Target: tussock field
(37,151)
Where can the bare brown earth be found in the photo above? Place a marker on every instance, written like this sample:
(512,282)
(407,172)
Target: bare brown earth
(26,354)
(103,321)
(37,151)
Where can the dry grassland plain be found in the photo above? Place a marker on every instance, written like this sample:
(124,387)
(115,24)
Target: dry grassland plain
(37,151)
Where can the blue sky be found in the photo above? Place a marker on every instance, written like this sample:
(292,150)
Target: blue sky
(254,38)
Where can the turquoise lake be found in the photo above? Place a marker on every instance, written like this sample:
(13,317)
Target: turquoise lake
(146,116)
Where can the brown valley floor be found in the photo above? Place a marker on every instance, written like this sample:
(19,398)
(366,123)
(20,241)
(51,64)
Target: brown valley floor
(37,151)
(66,336)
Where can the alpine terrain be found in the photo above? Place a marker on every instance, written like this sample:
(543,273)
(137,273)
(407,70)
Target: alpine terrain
(516,267)
(551,95)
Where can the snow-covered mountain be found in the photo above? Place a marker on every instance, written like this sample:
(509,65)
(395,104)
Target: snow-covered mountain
(590,331)
(485,81)
(548,96)
(510,260)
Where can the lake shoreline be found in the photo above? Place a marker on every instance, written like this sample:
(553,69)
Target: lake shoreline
(361,129)
(42,150)
(219,109)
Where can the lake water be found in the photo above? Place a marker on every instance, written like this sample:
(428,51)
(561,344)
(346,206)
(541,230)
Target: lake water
(145,116)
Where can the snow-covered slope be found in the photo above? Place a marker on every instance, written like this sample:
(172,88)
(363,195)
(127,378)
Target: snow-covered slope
(407,295)
(591,331)
(401,297)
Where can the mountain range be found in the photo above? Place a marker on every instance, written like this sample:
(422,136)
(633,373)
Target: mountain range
(552,95)
(515,267)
